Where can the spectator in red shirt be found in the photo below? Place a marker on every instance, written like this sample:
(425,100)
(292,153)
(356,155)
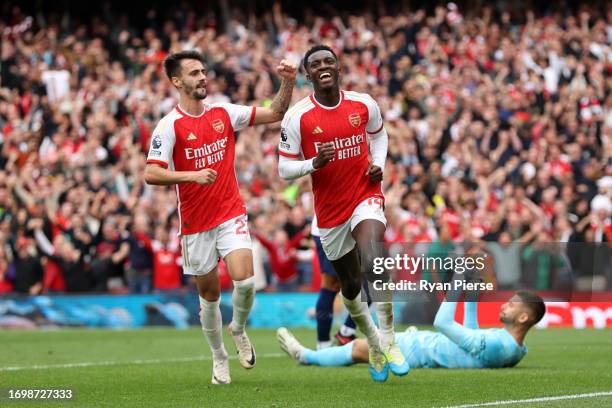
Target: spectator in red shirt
(166,262)
(283,257)
(53,277)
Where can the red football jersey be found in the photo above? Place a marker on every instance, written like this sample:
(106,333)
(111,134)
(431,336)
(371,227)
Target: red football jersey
(342,184)
(183,142)
(166,269)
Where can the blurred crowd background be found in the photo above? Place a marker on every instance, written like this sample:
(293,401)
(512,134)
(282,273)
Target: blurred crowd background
(499,118)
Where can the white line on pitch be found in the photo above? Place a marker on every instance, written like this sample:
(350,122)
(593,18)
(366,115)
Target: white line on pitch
(112,363)
(532,400)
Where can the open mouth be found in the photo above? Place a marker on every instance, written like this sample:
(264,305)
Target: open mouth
(325,75)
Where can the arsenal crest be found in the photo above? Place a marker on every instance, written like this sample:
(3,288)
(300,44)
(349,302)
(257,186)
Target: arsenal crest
(355,119)
(218,125)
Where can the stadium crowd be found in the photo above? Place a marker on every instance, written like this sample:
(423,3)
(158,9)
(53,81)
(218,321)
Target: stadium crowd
(499,123)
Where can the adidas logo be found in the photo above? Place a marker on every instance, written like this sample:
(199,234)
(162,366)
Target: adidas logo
(317,131)
(191,137)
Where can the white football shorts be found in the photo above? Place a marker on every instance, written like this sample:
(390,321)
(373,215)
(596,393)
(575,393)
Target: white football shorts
(201,251)
(338,241)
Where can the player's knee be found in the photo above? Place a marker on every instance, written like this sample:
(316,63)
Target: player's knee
(210,294)
(240,264)
(335,286)
(242,273)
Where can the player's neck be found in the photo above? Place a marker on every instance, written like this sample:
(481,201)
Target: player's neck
(193,107)
(328,97)
(518,333)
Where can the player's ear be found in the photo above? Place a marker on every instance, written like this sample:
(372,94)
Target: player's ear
(523,317)
(176,82)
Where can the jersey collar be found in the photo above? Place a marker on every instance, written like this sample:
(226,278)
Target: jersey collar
(314,100)
(182,112)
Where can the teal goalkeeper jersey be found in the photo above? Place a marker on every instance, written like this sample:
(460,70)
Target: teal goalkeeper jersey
(457,346)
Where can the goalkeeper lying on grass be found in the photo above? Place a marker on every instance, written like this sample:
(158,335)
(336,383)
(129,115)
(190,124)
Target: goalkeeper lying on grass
(452,346)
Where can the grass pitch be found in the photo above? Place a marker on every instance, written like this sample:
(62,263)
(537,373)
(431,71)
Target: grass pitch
(170,368)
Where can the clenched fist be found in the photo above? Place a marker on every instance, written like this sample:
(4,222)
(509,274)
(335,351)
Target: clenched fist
(205,176)
(375,173)
(287,70)
(325,154)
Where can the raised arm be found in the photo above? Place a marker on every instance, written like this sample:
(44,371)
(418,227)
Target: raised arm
(445,317)
(470,315)
(43,242)
(296,240)
(467,338)
(287,71)
(265,242)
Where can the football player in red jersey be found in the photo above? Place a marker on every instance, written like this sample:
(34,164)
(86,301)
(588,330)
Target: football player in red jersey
(330,135)
(192,147)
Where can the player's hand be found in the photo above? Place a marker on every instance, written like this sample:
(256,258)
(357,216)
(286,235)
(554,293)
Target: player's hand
(325,154)
(205,176)
(287,70)
(375,173)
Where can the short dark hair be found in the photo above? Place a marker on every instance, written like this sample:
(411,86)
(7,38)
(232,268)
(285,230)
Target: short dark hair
(319,47)
(172,64)
(534,303)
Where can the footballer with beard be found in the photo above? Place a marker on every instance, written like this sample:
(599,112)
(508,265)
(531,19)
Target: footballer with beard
(193,148)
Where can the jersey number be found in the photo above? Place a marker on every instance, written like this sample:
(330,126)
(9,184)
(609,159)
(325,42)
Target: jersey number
(375,201)
(241,227)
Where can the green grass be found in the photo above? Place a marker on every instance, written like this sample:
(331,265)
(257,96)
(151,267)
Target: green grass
(559,362)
